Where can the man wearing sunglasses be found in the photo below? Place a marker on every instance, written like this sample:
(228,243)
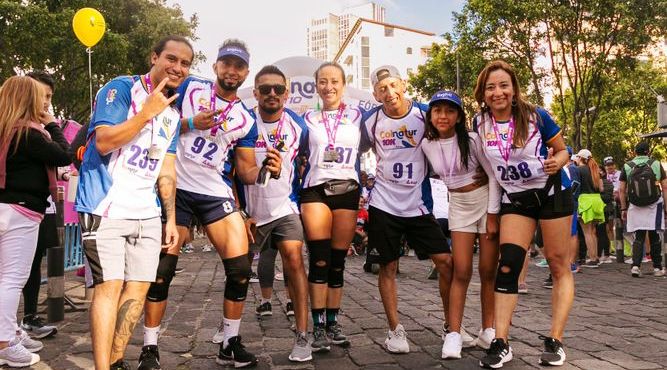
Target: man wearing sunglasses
(218,133)
(274,214)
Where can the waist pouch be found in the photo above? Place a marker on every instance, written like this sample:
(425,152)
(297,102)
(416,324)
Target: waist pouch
(338,187)
(533,198)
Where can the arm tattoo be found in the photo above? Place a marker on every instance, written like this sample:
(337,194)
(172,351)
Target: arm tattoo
(128,315)
(167,189)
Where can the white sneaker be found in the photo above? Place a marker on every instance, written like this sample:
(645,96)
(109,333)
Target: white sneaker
(29,343)
(452,346)
(635,272)
(658,272)
(219,335)
(207,248)
(17,355)
(468,340)
(485,337)
(279,276)
(396,341)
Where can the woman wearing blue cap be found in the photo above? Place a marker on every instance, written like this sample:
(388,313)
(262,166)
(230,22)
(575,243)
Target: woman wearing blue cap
(455,155)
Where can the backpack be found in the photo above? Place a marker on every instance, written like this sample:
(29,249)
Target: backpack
(642,187)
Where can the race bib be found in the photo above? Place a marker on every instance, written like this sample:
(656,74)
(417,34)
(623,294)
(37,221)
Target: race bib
(346,158)
(206,152)
(136,161)
(519,173)
(407,173)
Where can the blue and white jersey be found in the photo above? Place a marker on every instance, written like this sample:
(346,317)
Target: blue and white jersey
(205,158)
(347,137)
(524,169)
(121,184)
(402,187)
(279,198)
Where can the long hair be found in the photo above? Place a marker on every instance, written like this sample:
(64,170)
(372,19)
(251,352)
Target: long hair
(595,171)
(21,101)
(462,136)
(521,108)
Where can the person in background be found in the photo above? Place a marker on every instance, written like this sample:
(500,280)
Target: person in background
(591,206)
(607,194)
(31,146)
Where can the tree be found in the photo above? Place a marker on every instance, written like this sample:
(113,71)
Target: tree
(37,34)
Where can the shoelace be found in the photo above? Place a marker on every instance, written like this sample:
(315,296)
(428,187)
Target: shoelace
(496,347)
(550,344)
(301,340)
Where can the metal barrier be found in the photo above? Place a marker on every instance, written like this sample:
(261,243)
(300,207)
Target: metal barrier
(73,247)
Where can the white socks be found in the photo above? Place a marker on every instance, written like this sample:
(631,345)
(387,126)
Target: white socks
(231,329)
(150,335)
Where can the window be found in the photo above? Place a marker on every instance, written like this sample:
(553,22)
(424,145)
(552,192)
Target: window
(408,51)
(388,31)
(425,52)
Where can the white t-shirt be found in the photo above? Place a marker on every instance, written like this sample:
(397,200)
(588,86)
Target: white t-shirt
(204,160)
(615,178)
(347,139)
(279,197)
(401,186)
(444,156)
(440,198)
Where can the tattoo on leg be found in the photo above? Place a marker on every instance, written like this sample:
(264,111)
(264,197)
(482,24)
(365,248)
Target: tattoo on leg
(128,315)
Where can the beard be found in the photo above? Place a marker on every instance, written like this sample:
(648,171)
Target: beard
(270,109)
(229,87)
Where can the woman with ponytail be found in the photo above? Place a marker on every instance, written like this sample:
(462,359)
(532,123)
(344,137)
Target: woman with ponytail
(591,206)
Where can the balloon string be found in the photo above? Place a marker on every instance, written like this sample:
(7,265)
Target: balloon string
(90,78)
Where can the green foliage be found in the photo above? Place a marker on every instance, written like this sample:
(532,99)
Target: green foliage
(37,34)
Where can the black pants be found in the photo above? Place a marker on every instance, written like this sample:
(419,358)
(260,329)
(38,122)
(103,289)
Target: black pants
(603,239)
(48,237)
(638,248)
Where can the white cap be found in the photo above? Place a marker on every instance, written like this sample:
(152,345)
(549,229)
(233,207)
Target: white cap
(585,154)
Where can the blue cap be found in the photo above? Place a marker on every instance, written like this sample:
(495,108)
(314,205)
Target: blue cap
(569,150)
(446,95)
(235,51)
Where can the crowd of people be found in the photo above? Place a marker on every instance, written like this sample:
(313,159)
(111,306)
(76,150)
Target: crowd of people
(165,150)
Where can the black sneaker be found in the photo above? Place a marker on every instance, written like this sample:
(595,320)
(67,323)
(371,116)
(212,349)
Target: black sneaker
(553,353)
(264,309)
(37,328)
(149,358)
(548,282)
(592,264)
(498,353)
(335,334)
(289,309)
(120,365)
(235,354)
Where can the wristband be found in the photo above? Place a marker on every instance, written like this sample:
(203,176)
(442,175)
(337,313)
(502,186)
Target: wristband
(191,123)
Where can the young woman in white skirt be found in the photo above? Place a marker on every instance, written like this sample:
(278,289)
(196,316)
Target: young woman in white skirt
(455,154)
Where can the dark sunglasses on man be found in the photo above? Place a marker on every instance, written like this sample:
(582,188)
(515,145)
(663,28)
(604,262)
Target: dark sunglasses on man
(266,89)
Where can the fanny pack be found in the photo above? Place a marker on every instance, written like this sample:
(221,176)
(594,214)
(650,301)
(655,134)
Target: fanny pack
(338,187)
(536,198)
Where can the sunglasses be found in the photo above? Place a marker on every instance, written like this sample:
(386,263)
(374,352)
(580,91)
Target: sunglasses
(266,89)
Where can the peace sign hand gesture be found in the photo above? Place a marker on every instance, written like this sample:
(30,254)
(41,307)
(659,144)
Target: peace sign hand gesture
(157,101)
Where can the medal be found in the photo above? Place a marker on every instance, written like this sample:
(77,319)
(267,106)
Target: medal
(331,155)
(154,153)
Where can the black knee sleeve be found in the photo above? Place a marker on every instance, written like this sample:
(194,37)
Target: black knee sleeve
(337,267)
(319,258)
(166,269)
(237,271)
(509,268)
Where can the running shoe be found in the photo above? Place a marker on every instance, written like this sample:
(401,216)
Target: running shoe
(219,335)
(320,340)
(16,355)
(635,272)
(253,277)
(396,341)
(628,261)
(658,272)
(236,354)
(432,273)
(149,358)
(29,343)
(467,339)
(178,270)
(289,309)
(187,248)
(553,353)
(592,264)
(523,288)
(336,336)
(548,282)
(120,365)
(605,259)
(485,337)
(451,347)
(207,248)
(574,267)
(36,326)
(264,309)
(301,351)
(279,276)
(542,263)
(498,354)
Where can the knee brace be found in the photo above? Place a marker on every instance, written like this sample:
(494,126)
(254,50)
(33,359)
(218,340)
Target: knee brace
(166,269)
(237,271)
(337,267)
(509,268)
(319,257)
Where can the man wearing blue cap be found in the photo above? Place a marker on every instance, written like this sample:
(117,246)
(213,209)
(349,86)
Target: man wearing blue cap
(215,127)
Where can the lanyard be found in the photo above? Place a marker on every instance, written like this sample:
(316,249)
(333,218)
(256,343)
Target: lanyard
(149,87)
(504,153)
(332,130)
(279,130)
(223,116)
(452,155)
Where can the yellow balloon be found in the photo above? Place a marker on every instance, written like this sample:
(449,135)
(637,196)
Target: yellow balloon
(89,26)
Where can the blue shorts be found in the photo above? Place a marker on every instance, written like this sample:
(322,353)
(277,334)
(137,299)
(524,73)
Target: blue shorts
(207,208)
(575,219)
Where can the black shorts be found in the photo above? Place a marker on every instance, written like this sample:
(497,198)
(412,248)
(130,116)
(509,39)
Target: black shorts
(423,234)
(546,212)
(207,208)
(315,194)
(444,226)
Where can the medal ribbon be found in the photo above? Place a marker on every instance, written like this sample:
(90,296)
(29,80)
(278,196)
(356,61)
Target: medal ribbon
(332,130)
(504,153)
(279,130)
(223,116)
(149,88)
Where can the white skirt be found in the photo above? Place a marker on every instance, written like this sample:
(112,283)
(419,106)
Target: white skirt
(651,217)
(467,211)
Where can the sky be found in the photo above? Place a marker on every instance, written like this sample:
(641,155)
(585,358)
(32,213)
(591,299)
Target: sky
(274,30)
